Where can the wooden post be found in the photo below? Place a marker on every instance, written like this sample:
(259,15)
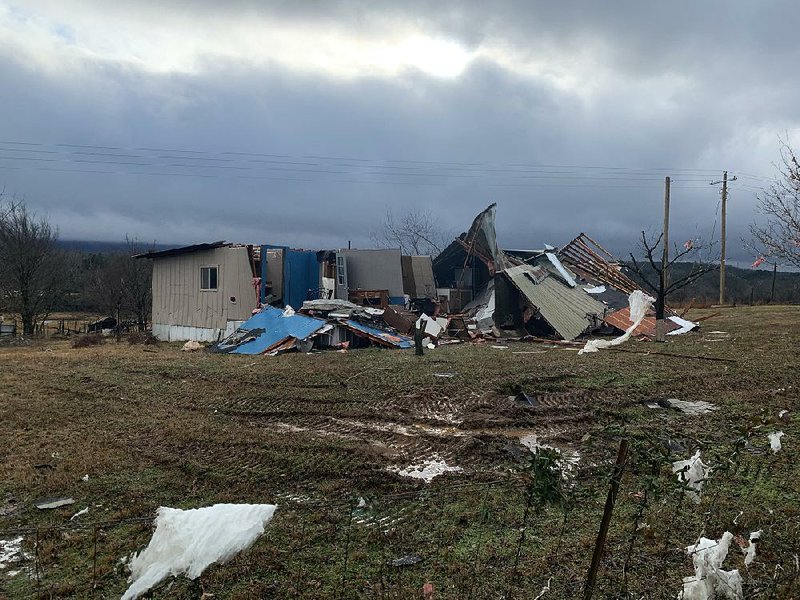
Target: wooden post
(774,274)
(662,300)
(622,455)
(722,241)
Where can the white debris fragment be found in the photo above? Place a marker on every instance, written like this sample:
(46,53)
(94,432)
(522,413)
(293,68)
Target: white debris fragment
(54,503)
(567,461)
(697,407)
(783,413)
(85,477)
(188,541)
(288,311)
(775,441)
(685,326)
(694,472)
(79,513)
(597,289)
(430,468)
(192,346)
(710,580)
(10,551)
(639,304)
(750,551)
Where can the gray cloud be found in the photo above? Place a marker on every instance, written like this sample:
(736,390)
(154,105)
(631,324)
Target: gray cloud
(646,90)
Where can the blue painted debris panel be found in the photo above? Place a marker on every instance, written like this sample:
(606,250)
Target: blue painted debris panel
(394,339)
(270,327)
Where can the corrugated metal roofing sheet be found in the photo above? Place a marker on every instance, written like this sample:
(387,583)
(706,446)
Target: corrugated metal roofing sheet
(379,335)
(269,328)
(566,309)
(621,319)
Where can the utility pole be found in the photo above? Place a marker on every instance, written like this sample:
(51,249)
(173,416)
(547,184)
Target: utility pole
(774,274)
(664,283)
(723,238)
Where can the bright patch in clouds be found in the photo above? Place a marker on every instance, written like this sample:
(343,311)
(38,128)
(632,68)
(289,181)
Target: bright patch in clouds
(159,44)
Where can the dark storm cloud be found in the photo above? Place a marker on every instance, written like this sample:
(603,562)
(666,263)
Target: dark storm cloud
(643,88)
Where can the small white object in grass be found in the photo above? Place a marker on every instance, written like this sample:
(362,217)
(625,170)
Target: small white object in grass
(80,513)
(430,468)
(85,477)
(431,346)
(500,347)
(775,441)
(192,346)
(750,551)
(783,413)
(188,541)
(693,472)
(361,503)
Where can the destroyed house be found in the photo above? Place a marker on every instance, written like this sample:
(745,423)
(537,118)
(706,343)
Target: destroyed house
(525,291)
(205,292)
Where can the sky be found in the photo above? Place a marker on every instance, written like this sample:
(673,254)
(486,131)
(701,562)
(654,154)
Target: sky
(303,123)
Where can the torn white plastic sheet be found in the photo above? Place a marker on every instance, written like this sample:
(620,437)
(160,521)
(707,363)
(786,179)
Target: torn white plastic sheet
(10,551)
(639,303)
(693,472)
(188,541)
(775,441)
(428,470)
(750,550)
(685,326)
(710,580)
(80,513)
(288,311)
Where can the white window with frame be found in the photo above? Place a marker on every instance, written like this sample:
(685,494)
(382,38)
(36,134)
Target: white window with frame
(209,279)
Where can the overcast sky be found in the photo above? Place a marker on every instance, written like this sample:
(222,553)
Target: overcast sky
(300,123)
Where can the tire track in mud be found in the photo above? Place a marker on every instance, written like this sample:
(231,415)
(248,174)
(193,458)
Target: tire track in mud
(478,432)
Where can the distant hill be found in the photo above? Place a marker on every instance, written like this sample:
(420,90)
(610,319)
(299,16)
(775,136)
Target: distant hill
(741,285)
(95,247)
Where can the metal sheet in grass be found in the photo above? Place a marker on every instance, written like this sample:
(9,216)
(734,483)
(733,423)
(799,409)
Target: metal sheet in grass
(268,329)
(385,338)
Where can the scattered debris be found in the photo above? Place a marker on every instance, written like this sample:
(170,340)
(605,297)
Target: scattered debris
(49,503)
(566,463)
(750,549)
(428,470)
(782,414)
(192,346)
(525,399)
(698,407)
(85,477)
(710,580)
(188,541)
(10,552)
(639,303)
(775,441)
(694,473)
(405,561)
(80,513)
(685,326)
(445,375)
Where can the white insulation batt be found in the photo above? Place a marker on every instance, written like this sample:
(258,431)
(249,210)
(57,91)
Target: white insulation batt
(188,541)
(639,304)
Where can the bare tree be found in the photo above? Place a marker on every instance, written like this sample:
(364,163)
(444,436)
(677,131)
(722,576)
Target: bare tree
(414,231)
(655,277)
(780,203)
(34,272)
(122,285)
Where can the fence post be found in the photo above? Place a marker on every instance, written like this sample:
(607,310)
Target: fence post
(36,565)
(94,560)
(622,455)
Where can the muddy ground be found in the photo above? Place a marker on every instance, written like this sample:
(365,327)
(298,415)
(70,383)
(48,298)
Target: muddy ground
(332,437)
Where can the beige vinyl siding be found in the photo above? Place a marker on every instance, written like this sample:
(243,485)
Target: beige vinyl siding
(178,299)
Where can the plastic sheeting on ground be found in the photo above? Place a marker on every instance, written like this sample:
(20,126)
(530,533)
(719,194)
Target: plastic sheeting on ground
(188,541)
(639,303)
(710,580)
(693,472)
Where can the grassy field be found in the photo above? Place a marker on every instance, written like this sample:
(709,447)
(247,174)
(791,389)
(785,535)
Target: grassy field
(322,436)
